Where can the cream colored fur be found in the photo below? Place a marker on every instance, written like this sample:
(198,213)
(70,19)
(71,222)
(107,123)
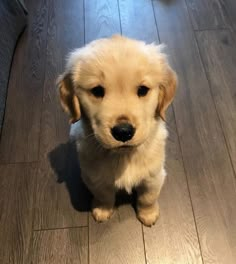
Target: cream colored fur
(121,66)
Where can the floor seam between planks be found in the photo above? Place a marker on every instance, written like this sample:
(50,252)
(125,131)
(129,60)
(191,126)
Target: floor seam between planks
(60,228)
(43,86)
(158,35)
(20,163)
(211,29)
(144,246)
(118,5)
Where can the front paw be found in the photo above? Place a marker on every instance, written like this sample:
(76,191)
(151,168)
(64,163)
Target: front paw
(102,214)
(148,215)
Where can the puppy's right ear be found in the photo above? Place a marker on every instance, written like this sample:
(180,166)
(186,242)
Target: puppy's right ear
(69,101)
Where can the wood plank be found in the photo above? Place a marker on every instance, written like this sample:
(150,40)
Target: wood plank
(206,160)
(101,19)
(56,203)
(62,200)
(16,211)
(120,239)
(65,33)
(218,54)
(169,241)
(230,7)
(21,130)
(174,238)
(207,14)
(137,20)
(60,246)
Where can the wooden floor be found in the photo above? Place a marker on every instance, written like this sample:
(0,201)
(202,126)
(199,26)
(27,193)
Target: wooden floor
(44,214)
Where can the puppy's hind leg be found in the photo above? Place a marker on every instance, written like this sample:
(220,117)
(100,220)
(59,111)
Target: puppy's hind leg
(147,195)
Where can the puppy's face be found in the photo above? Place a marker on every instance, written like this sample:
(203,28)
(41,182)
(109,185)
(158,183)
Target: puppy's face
(121,87)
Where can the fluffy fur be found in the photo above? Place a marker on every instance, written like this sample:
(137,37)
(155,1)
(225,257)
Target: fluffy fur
(120,65)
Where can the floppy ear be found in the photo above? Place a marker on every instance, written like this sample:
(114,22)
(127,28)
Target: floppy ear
(69,101)
(166,92)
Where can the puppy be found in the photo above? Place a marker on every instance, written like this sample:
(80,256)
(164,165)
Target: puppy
(119,89)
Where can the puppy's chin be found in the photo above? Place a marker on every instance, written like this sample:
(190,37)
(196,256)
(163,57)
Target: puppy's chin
(113,145)
(117,147)
(124,149)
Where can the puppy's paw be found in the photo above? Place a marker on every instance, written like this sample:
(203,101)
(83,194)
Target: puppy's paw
(101,214)
(148,216)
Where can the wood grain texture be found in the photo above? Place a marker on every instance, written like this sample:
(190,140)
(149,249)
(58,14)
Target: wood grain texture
(174,238)
(230,8)
(101,19)
(55,203)
(21,131)
(65,33)
(207,14)
(205,155)
(16,211)
(169,241)
(137,20)
(118,240)
(62,200)
(62,246)
(218,54)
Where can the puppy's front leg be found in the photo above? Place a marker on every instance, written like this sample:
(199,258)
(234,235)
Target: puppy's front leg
(147,203)
(103,204)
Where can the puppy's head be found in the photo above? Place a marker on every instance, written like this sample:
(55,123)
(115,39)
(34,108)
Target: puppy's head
(121,86)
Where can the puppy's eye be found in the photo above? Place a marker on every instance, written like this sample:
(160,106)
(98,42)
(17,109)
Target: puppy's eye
(142,91)
(98,91)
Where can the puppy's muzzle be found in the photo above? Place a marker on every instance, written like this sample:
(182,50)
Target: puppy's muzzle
(123,132)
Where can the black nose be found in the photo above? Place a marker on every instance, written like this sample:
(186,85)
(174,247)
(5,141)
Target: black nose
(123,132)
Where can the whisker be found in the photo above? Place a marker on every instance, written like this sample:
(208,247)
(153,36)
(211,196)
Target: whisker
(89,136)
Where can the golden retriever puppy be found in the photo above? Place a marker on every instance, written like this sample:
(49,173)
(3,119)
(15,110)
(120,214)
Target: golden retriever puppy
(119,89)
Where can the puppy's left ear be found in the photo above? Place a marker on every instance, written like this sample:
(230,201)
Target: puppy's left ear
(68,98)
(166,91)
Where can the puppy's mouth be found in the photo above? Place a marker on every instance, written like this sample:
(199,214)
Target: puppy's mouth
(120,148)
(124,148)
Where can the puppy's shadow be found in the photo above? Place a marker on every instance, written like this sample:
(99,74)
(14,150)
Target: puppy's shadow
(123,198)
(64,162)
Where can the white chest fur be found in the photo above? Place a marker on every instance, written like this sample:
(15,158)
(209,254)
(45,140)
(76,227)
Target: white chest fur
(137,168)
(124,170)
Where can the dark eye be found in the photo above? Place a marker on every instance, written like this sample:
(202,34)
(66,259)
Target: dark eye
(142,90)
(98,91)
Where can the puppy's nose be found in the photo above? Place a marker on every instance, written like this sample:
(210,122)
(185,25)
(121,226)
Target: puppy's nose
(123,132)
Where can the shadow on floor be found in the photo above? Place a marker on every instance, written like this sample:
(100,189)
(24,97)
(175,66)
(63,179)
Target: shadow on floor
(64,162)
(123,198)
